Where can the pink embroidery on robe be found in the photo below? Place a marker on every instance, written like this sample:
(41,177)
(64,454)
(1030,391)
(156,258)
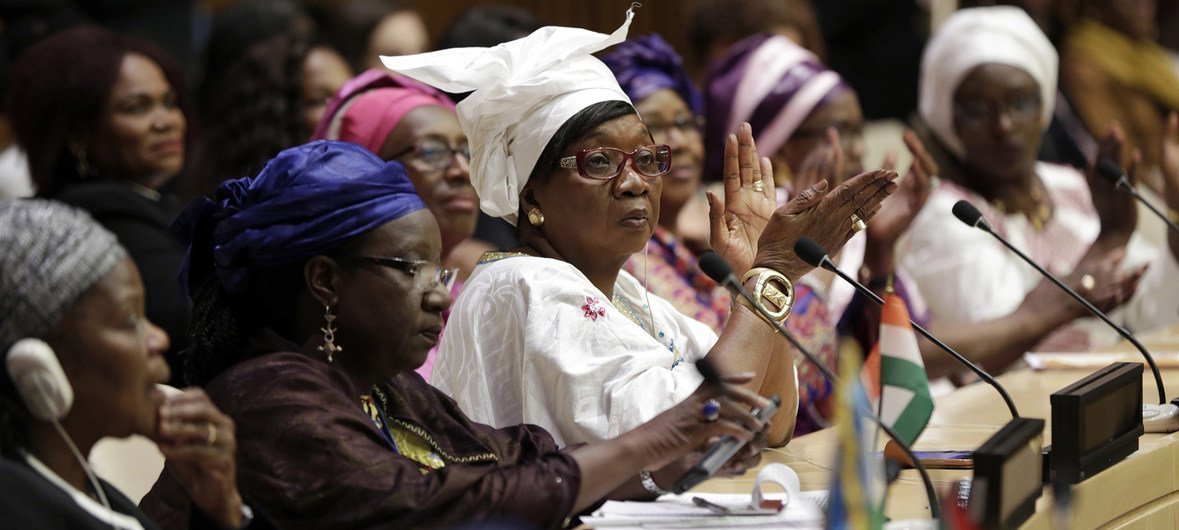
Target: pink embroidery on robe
(593,309)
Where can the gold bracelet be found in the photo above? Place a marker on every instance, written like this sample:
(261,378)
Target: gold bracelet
(773,294)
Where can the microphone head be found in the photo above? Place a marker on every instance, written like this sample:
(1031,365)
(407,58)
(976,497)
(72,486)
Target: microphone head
(1110,170)
(970,215)
(812,253)
(715,267)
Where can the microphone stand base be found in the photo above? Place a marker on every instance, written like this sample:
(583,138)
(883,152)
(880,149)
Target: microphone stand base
(1160,418)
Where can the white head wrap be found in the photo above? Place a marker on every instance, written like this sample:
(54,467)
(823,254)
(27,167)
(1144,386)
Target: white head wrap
(976,36)
(524,90)
(52,254)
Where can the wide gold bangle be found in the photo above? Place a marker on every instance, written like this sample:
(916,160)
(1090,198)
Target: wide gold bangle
(773,294)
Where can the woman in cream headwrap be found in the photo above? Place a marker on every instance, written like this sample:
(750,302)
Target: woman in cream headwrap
(988,83)
(556,334)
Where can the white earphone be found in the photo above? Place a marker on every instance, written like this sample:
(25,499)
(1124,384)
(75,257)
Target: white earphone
(39,379)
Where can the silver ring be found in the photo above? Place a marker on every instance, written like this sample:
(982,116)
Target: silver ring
(1088,282)
(711,410)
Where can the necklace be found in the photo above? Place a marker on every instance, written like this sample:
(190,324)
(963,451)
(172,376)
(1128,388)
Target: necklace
(1040,214)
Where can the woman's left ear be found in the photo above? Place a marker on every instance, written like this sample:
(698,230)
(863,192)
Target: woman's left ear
(321,274)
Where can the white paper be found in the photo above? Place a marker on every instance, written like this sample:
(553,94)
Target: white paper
(801,509)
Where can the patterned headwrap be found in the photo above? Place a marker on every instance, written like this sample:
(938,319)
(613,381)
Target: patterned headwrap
(524,91)
(645,65)
(977,36)
(52,254)
(367,108)
(770,82)
(307,200)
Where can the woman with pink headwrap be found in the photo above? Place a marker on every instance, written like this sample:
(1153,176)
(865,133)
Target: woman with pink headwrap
(400,119)
(808,121)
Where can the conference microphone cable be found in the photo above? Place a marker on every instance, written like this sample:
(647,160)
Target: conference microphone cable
(717,269)
(1116,176)
(970,215)
(814,254)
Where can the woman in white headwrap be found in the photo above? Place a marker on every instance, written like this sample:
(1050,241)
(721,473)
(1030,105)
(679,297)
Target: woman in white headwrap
(987,90)
(556,334)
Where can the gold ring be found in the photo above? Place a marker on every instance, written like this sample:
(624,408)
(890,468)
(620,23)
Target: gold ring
(212,436)
(1088,282)
(759,186)
(858,224)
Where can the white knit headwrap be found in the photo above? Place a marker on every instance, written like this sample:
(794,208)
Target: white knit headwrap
(50,254)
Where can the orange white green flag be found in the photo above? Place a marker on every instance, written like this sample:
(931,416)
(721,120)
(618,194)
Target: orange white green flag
(894,375)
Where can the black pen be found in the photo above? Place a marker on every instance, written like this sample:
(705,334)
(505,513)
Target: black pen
(714,507)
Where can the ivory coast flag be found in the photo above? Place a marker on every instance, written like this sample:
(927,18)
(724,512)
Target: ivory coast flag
(894,376)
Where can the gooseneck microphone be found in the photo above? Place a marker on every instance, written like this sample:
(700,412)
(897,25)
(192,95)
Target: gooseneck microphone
(814,254)
(1115,175)
(717,269)
(970,215)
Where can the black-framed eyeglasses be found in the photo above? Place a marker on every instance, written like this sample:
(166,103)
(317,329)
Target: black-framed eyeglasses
(686,124)
(605,163)
(436,153)
(979,113)
(419,270)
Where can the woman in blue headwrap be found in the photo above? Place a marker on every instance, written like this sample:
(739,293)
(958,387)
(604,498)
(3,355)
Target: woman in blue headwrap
(317,292)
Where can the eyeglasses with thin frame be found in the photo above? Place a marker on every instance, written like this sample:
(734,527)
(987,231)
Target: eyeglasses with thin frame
(416,269)
(979,113)
(605,163)
(687,124)
(436,153)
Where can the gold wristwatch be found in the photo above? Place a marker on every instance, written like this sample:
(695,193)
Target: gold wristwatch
(772,292)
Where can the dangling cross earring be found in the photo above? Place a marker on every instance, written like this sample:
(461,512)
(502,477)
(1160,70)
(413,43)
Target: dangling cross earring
(329,334)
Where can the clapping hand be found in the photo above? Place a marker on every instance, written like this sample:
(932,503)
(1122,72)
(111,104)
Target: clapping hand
(737,221)
(1116,210)
(824,215)
(899,209)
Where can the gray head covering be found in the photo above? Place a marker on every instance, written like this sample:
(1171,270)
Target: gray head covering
(52,254)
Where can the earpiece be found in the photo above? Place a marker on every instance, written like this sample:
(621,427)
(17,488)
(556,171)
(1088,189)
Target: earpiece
(39,379)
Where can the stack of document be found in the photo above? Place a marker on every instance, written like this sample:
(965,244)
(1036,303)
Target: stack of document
(711,510)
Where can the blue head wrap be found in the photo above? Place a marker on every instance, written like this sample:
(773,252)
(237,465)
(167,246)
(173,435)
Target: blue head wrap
(306,200)
(646,64)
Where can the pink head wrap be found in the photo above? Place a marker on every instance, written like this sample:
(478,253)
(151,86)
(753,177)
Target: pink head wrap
(369,106)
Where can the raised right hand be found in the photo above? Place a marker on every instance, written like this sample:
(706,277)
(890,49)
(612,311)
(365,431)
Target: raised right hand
(823,215)
(1111,287)
(683,429)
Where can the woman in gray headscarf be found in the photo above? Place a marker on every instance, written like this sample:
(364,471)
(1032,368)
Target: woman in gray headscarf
(70,294)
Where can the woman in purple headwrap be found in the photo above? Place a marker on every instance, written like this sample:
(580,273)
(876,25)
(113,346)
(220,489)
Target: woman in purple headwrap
(317,290)
(397,118)
(652,75)
(807,119)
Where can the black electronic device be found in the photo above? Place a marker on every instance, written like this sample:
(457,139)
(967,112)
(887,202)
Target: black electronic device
(1096,422)
(1007,475)
(721,452)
